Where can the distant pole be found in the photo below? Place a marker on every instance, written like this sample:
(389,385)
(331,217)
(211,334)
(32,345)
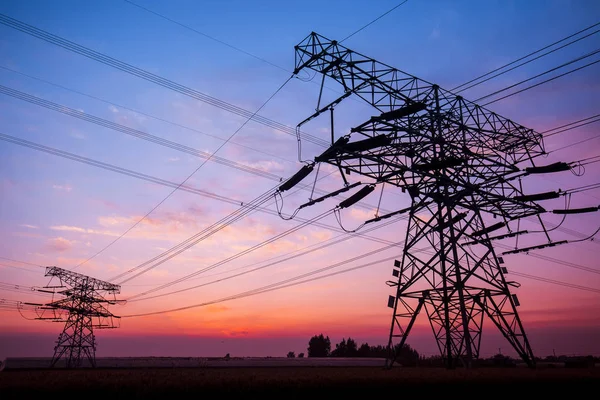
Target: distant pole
(86,308)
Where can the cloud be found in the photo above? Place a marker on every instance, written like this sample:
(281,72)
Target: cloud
(66,188)
(267,165)
(30,226)
(435,34)
(68,228)
(321,236)
(361,214)
(217,309)
(77,135)
(113,108)
(173,159)
(59,244)
(236,333)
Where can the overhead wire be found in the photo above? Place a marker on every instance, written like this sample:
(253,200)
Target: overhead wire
(282,258)
(19,268)
(189,189)
(159,181)
(242,211)
(231,258)
(575,143)
(290,282)
(548,133)
(31,33)
(373,21)
(187,178)
(526,56)
(540,83)
(263,289)
(526,62)
(136,111)
(144,135)
(21,262)
(540,74)
(207,36)
(133,132)
(148,76)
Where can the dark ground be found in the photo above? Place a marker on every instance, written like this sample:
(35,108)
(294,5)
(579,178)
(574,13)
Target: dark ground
(292,382)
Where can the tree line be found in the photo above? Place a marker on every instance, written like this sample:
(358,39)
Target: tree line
(320,346)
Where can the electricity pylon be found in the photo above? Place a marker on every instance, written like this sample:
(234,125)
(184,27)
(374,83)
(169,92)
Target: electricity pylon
(458,162)
(85,307)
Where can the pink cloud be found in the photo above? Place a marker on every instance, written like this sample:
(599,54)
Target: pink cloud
(67,188)
(59,244)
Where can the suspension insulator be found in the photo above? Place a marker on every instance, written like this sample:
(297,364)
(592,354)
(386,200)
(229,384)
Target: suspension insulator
(489,229)
(342,190)
(366,144)
(577,210)
(332,150)
(387,215)
(296,178)
(546,169)
(401,112)
(356,197)
(538,196)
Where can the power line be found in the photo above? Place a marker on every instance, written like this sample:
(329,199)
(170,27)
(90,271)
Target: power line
(540,74)
(150,77)
(188,177)
(137,175)
(576,143)
(19,268)
(526,62)
(373,21)
(159,181)
(528,55)
(21,262)
(555,282)
(235,216)
(172,184)
(284,284)
(262,289)
(547,133)
(208,36)
(146,136)
(226,260)
(142,113)
(283,258)
(541,83)
(134,132)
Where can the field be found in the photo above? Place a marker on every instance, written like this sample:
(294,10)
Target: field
(297,382)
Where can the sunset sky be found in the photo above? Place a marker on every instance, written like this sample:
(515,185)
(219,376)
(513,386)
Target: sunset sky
(55,211)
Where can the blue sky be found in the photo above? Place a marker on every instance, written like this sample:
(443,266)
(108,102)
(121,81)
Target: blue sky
(445,42)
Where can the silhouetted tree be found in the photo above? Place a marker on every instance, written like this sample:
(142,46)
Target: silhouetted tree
(406,355)
(345,348)
(300,355)
(319,346)
(364,350)
(291,354)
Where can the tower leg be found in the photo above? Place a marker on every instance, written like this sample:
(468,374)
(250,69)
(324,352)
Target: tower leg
(75,342)
(457,285)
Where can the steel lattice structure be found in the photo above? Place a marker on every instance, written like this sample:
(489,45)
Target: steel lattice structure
(85,307)
(458,162)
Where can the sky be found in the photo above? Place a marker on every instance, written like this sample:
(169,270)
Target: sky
(59,212)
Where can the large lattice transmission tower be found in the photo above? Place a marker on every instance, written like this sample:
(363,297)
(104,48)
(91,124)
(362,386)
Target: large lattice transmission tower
(458,162)
(83,309)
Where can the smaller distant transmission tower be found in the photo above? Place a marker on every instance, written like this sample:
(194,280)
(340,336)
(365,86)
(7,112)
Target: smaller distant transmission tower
(85,305)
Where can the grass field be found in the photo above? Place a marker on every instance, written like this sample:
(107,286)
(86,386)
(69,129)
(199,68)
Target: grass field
(286,383)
